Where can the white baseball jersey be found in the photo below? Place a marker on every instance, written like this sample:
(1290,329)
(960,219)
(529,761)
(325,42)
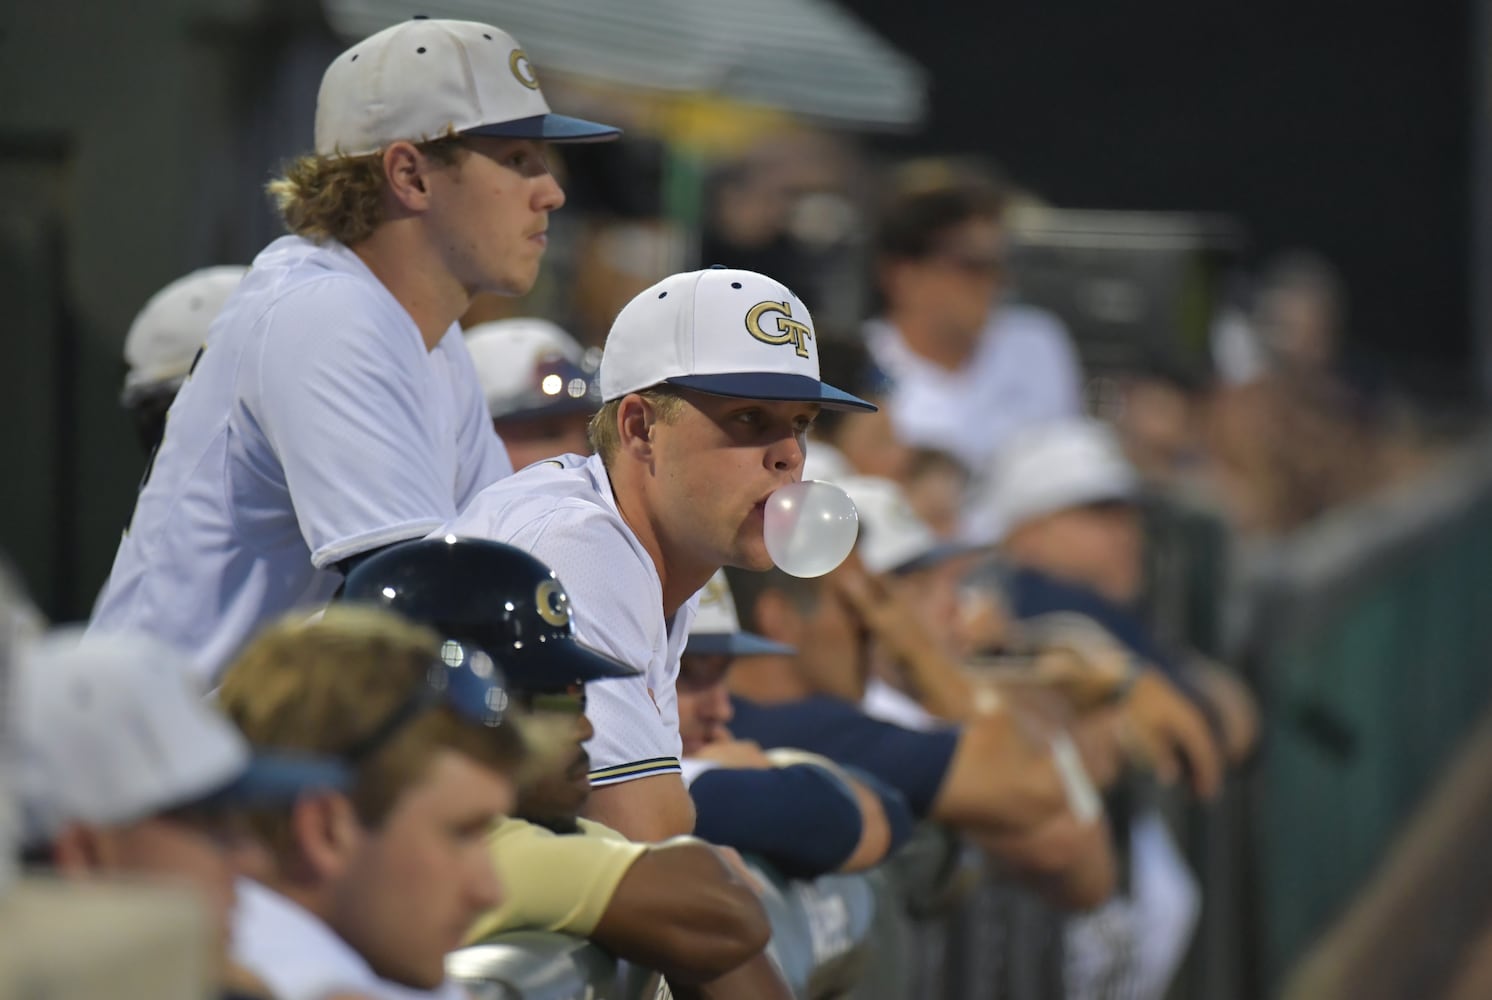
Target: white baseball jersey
(315,426)
(300,958)
(563,511)
(1024,371)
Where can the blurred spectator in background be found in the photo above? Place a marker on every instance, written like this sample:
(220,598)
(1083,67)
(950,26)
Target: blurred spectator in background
(124,769)
(538,391)
(1303,437)
(968,367)
(801,813)
(369,889)
(789,206)
(677,907)
(163,342)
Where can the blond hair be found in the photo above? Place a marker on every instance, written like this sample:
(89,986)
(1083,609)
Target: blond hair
(342,197)
(602,430)
(321,686)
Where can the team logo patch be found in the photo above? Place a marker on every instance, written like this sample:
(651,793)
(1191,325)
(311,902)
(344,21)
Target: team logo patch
(553,603)
(789,330)
(523,70)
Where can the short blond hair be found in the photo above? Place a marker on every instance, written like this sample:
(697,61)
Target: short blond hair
(602,431)
(321,686)
(342,197)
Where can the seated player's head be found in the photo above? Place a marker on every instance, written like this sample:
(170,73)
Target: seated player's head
(814,617)
(397,866)
(497,601)
(439,127)
(538,391)
(1064,498)
(711,381)
(163,342)
(125,769)
(716,639)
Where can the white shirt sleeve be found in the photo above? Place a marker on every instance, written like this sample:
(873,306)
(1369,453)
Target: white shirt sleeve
(618,610)
(338,398)
(483,458)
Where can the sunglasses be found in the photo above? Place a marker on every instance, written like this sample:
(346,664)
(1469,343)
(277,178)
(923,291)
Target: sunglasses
(463,680)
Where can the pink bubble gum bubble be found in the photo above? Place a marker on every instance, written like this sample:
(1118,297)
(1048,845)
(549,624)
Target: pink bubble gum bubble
(810,527)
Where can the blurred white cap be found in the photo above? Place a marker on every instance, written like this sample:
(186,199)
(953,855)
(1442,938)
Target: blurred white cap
(530,367)
(717,627)
(166,335)
(112,730)
(1048,468)
(893,539)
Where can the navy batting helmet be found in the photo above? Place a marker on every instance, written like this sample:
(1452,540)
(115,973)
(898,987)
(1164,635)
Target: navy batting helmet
(485,597)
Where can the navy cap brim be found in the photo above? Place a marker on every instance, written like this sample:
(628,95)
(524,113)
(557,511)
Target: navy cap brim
(554,664)
(550,128)
(275,779)
(773,386)
(735,644)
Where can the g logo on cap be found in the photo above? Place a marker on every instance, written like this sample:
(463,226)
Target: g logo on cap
(523,70)
(552,603)
(789,330)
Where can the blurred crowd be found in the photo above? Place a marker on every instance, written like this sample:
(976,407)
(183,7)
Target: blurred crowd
(416,741)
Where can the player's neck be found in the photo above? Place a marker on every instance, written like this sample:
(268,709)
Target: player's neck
(767,680)
(679,578)
(928,340)
(399,259)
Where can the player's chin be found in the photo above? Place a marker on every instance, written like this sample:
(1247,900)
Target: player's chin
(751,553)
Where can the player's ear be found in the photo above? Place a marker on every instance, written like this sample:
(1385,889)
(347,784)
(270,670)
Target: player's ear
(404,174)
(326,831)
(636,418)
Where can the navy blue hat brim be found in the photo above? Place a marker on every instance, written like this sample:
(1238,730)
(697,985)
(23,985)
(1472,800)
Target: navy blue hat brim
(773,386)
(554,664)
(735,644)
(276,779)
(550,128)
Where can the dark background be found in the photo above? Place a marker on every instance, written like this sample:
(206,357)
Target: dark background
(1344,128)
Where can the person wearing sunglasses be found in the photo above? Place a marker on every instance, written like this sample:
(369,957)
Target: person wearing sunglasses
(369,888)
(681,907)
(967,365)
(123,769)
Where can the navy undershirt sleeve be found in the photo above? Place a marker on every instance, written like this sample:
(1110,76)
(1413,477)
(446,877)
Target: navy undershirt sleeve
(913,762)
(898,814)
(801,819)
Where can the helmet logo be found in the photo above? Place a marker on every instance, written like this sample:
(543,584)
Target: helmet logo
(552,603)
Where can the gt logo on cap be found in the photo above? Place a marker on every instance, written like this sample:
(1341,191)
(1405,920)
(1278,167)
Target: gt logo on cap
(523,69)
(789,330)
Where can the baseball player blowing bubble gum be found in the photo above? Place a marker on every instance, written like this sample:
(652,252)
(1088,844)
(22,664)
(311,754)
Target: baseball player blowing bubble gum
(710,382)
(335,410)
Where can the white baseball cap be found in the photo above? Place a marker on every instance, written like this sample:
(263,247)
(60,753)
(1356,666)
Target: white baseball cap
(111,730)
(167,334)
(720,331)
(1056,466)
(717,628)
(423,79)
(893,539)
(531,368)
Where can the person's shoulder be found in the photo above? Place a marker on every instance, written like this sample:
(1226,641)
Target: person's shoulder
(557,489)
